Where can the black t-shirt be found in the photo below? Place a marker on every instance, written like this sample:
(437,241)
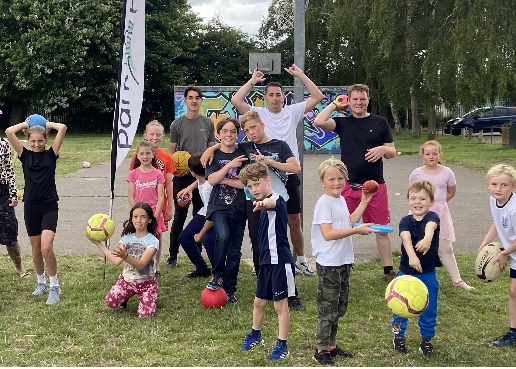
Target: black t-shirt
(39,169)
(431,259)
(224,197)
(356,136)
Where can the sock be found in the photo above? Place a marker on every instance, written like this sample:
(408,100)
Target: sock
(41,278)
(53,281)
(330,348)
(301,259)
(282,342)
(512,330)
(256,332)
(423,339)
(387,269)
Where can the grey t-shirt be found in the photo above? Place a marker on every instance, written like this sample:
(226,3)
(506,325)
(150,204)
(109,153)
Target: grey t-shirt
(192,135)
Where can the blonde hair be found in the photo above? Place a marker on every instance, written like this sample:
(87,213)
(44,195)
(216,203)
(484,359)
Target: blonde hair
(154,123)
(359,88)
(422,185)
(36,129)
(250,115)
(432,143)
(502,169)
(332,163)
(253,172)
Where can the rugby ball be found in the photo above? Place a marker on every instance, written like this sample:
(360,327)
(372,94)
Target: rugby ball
(484,268)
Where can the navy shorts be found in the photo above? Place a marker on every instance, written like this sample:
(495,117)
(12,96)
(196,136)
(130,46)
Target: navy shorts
(39,217)
(294,195)
(512,273)
(275,282)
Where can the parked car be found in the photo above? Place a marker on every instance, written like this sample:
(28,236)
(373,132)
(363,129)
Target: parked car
(482,119)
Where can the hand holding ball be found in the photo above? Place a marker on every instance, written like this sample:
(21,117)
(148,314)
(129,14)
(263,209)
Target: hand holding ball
(36,120)
(370,186)
(100,227)
(484,267)
(182,201)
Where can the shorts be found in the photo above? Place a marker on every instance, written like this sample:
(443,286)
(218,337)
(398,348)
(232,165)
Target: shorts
(8,221)
(294,195)
(39,217)
(512,273)
(377,210)
(275,282)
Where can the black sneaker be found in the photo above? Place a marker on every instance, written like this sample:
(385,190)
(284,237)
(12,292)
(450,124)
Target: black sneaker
(232,299)
(172,263)
(337,351)
(323,357)
(199,273)
(296,303)
(123,305)
(157,274)
(399,344)
(426,348)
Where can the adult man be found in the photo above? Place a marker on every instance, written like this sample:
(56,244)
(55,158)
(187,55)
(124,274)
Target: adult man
(193,133)
(364,140)
(281,123)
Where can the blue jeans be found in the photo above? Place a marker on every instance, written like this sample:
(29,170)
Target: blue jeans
(186,239)
(428,318)
(229,232)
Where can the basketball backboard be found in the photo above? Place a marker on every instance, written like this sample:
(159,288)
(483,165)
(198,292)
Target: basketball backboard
(268,63)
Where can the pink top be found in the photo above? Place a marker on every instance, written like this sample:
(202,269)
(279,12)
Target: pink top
(146,185)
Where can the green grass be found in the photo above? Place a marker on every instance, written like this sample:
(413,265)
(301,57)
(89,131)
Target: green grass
(82,331)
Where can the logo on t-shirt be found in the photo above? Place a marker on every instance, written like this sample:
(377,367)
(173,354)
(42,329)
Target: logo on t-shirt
(505,222)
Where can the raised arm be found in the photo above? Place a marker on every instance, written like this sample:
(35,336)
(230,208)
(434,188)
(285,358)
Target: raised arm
(323,120)
(315,94)
(58,140)
(238,99)
(13,139)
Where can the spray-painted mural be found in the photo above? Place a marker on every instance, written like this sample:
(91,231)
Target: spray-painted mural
(217,105)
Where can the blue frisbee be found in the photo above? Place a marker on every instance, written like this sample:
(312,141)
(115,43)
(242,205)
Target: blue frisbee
(248,194)
(36,120)
(376,227)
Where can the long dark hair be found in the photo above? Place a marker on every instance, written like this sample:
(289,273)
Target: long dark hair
(152,227)
(137,162)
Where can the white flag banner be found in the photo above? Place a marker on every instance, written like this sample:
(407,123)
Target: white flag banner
(130,83)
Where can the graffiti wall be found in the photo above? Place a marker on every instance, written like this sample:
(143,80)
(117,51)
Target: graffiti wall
(217,105)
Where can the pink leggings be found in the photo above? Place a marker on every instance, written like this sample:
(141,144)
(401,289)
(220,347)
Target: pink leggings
(147,292)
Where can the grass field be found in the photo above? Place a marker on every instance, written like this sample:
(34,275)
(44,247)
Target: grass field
(82,331)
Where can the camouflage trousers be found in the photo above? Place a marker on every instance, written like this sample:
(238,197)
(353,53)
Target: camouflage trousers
(332,301)
(8,221)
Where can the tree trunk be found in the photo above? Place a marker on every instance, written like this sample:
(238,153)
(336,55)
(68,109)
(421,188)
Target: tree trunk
(396,118)
(18,113)
(414,110)
(431,123)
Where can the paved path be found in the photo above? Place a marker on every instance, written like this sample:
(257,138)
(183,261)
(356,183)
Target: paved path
(86,192)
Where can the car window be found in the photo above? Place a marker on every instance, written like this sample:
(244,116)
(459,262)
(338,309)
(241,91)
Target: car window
(486,113)
(501,112)
(512,111)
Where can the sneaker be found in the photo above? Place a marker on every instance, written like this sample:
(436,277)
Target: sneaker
(399,344)
(157,274)
(337,351)
(199,273)
(214,284)
(296,304)
(250,341)
(323,357)
(123,305)
(426,348)
(172,263)
(41,288)
(389,277)
(304,268)
(279,352)
(507,339)
(462,284)
(232,299)
(53,295)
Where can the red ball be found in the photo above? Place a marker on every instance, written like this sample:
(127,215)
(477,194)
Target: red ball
(213,299)
(183,201)
(370,186)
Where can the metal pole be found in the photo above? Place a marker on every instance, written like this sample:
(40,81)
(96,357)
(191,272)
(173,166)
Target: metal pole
(299,60)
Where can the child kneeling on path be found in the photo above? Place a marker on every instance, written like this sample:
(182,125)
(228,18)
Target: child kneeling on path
(137,249)
(275,275)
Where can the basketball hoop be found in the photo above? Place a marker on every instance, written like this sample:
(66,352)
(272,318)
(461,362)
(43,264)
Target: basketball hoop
(284,14)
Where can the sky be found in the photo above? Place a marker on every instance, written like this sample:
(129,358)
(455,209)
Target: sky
(245,15)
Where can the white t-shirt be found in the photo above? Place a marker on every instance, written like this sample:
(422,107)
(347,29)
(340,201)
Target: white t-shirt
(505,222)
(204,192)
(337,252)
(283,125)
(136,247)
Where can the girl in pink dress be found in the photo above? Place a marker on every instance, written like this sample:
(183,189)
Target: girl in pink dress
(444,181)
(147,184)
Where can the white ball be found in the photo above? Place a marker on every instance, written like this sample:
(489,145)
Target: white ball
(485,270)
(86,164)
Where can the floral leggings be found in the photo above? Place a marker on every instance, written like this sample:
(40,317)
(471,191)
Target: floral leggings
(147,292)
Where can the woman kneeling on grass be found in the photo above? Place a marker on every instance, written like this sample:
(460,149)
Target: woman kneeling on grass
(137,248)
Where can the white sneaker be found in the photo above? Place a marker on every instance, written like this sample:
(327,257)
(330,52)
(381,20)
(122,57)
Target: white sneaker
(462,284)
(304,268)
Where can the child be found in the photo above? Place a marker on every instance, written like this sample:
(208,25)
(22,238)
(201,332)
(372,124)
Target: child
(8,200)
(275,276)
(227,208)
(137,248)
(419,232)
(445,186)
(154,133)
(501,182)
(146,183)
(333,250)
(40,199)
(198,226)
